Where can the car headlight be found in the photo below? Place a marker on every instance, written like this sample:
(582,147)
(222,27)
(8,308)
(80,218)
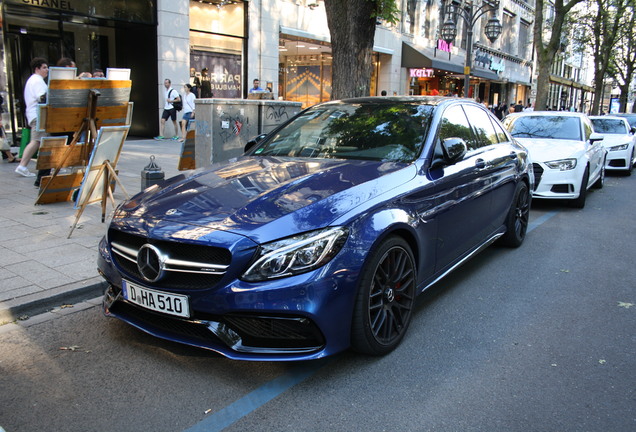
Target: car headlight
(562,164)
(619,147)
(296,255)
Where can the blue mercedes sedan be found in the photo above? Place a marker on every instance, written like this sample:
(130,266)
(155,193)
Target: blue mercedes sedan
(320,237)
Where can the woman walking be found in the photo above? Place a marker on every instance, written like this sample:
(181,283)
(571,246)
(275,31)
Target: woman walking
(188,110)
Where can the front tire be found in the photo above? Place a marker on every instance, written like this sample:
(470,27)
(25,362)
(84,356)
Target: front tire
(580,201)
(385,299)
(518,216)
(601,180)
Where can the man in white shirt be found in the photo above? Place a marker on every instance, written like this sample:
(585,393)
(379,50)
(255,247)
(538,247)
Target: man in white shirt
(169,111)
(34,89)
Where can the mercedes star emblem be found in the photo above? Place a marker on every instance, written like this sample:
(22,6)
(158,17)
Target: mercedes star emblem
(150,262)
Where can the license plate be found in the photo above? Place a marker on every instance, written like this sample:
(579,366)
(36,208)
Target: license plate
(159,301)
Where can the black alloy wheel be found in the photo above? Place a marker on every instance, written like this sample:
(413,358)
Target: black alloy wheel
(518,216)
(385,298)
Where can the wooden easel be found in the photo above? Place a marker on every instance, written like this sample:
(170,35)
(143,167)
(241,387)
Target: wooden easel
(108,175)
(88,126)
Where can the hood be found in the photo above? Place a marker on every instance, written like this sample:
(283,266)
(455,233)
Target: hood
(611,140)
(543,150)
(257,195)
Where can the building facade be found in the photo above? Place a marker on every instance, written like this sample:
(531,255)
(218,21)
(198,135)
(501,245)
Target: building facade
(221,46)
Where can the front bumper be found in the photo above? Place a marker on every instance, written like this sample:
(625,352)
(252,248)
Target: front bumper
(296,318)
(555,184)
(620,160)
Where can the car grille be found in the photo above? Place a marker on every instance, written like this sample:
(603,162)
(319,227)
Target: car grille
(188,267)
(538,172)
(617,163)
(562,188)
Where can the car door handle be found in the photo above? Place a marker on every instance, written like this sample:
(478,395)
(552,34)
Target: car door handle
(480,163)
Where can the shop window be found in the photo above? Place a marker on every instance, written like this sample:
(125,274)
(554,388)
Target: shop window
(217,40)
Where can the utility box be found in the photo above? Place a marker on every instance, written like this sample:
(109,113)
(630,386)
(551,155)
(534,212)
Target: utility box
(224,126)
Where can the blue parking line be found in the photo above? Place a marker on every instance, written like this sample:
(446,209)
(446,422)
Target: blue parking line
(539,221)
(257,398)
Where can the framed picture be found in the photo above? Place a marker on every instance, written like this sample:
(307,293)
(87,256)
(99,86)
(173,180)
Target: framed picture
(108,145)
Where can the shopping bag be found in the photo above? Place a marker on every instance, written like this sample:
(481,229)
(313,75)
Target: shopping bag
(24,140)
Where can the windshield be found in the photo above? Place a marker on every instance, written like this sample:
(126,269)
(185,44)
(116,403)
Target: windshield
(631,119)
(609,126)
(547,127)
(380,131)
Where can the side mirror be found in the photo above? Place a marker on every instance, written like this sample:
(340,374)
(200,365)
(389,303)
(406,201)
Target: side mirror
(252,143)
(454,149)
(632,130)
(594,137)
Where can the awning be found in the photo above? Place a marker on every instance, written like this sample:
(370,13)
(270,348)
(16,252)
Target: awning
(427,58)
(570,83)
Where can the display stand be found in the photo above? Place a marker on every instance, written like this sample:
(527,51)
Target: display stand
(88,128)
(81,107)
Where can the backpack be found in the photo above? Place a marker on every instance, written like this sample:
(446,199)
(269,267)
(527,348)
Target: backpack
(178,105)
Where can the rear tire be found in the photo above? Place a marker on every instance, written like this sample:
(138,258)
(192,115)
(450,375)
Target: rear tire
(517,219)
(385,299)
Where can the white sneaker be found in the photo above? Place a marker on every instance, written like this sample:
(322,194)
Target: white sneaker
(24,171)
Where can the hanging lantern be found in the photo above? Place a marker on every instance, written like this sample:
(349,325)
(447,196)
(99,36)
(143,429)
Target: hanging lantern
(493,29)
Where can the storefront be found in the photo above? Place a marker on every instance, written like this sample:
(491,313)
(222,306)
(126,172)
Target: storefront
(96,34)
(217,48)
(435,71)
(305,72)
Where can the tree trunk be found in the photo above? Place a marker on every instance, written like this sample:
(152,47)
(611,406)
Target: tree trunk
(546,52)
(543,81)
(352,28)
(623,98)
(606,27)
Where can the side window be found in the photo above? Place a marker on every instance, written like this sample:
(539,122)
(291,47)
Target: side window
(500,131)
(482,126)
(454,124)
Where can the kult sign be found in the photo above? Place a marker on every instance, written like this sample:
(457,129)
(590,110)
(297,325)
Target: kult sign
(422,73)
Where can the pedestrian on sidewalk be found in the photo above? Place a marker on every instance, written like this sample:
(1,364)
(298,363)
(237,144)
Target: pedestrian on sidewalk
(188,110)
(169,111)
(34,93)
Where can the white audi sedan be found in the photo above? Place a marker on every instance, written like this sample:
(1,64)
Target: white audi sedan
(619,142)
(568,156)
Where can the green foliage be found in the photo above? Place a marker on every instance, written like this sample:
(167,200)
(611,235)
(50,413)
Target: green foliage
(386,10)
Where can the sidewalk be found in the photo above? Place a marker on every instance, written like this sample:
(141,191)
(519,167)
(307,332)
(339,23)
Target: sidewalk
(39,267)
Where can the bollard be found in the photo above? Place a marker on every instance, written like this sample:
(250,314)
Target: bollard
(151,174)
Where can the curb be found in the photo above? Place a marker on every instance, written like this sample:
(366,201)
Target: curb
(37,303)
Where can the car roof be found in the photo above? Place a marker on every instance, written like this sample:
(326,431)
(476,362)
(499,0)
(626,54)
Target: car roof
(609,117)
(548,114)
(427,100)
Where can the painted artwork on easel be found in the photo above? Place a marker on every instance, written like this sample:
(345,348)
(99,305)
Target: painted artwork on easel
(108,145)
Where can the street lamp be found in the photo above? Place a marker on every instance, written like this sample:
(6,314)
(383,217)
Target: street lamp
(467,11)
